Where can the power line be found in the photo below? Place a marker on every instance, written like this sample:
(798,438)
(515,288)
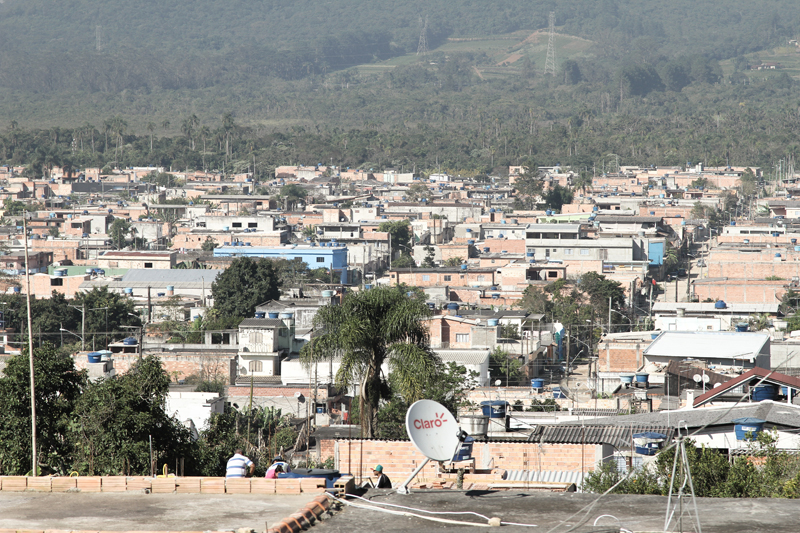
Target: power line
(550,61)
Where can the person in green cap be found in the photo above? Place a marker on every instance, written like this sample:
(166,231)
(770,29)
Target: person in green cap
(383,480)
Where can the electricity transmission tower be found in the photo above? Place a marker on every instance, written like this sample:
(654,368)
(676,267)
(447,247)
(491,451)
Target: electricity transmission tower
(422,48)
(550,61)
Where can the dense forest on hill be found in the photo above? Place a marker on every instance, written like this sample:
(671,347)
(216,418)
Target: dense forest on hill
(96,83)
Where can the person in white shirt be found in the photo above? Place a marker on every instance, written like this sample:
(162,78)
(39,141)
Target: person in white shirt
(238,464)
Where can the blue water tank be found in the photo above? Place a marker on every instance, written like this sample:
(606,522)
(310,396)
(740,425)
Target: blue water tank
(742,327)
(495,296)
(129,341)
(94,357)
(626,378)
(471,242)
(463,267)
(469,230)
(486,249)
(287,316)
(272,315)
(558,393)
(720,305)
(794,241)
(161,294)
(494,408)
(764,392)
(595,208)
(537,383)
(747,428)
(492,322)
(648,442)
(128,290)
(452,307)
(733,222)
(548,212)
(642,377)
(529,254)
(260,314)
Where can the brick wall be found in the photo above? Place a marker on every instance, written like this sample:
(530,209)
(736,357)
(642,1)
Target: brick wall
(177,366)
(741,291)
(620,357)
(400,458)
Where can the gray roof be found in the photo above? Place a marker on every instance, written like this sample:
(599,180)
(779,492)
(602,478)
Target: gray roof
(262,323)
(781,414)
(555,228)
(707,344)
(171,276)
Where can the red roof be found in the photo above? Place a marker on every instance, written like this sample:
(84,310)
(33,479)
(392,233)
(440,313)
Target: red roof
(757,372)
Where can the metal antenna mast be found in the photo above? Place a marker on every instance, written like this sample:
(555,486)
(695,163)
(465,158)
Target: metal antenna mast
(98,42)
(422,49)
(550,62)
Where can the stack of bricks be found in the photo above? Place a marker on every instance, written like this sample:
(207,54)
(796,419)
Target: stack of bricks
(164,485)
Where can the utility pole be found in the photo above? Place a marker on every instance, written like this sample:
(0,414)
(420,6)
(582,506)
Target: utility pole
(34,459)
(609,315)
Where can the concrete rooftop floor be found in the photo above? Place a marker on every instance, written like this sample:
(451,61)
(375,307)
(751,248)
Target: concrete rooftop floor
(552,512)
(145,512)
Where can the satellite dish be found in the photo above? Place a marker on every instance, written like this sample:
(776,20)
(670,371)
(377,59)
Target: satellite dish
(697,378)
(717,385)
(299,396)
(498,383)
(433,430)
(706,378)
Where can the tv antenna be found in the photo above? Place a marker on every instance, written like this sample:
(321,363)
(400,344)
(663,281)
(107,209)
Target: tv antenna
(685,480)
(550,61)
(434,432)
(422,48)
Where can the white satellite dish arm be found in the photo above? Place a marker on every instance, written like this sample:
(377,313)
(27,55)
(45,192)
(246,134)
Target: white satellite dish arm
(403,489)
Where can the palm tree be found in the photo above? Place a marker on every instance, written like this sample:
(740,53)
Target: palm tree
(368,329)
(151,128)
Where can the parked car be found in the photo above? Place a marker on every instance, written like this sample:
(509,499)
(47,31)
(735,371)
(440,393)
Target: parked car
(682,273)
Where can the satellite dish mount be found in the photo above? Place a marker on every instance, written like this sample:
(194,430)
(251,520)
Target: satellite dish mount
(434,432)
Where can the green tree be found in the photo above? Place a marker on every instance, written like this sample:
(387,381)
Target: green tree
(505,367)
(58,386)
(208,245)
(243,285)
(119,229)
(114,420)
(428,262)
(400,232)
(453,261)
(118,315)
(369,329)
(292,194)
(529,186)
(418,192)
(558,196)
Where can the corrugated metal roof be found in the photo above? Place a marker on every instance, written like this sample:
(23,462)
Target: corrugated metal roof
(545,476)
(707,344)
(618,436)
(732,308)
(470,357)
(171,276)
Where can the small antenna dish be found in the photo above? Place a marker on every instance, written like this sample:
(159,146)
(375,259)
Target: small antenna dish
(434,432)
(717,385)
(299,396)
(697,378)
(706,378)
(498,383)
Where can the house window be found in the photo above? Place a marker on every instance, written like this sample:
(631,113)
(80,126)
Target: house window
(462,337)
(448,278)
(426,277)
(480,278)
(237,224)
(256,366)
(56,282)
(148,265)
(547,252)
(320,259)
(584,251)
(252,224)
(567,251)
(552,274)
(282,333)
(256,337)
(492,260)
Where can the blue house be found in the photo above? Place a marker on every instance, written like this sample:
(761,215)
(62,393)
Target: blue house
(328,257)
